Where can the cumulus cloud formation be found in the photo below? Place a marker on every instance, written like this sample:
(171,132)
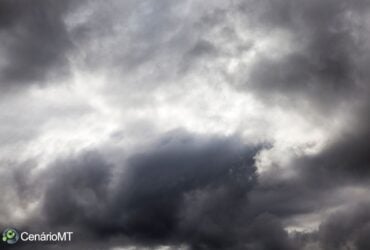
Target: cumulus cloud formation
(189,125)
(35,42)
(185,190)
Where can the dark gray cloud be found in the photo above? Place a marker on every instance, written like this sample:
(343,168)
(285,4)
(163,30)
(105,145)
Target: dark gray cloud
(344,160)
(76,189)
(347,228)
(322,66)
(149,202)
(182,190)
(186,189)
(35,41)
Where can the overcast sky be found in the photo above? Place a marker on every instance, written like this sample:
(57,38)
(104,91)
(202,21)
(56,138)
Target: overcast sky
(189,125)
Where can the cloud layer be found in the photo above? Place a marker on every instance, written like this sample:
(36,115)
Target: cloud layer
(188,125)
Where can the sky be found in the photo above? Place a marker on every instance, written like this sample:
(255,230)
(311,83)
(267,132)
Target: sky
(186,125)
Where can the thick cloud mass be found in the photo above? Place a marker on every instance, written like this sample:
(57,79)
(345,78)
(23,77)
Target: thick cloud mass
(347,229)
(184,190)
(34,41)
(322,67)
(190,125)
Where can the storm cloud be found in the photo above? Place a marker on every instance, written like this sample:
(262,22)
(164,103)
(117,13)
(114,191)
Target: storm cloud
(35,42)
(189,125)
(323,63)
(182,190)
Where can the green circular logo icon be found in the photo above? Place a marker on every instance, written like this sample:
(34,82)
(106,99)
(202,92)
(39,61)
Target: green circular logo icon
(10,236)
